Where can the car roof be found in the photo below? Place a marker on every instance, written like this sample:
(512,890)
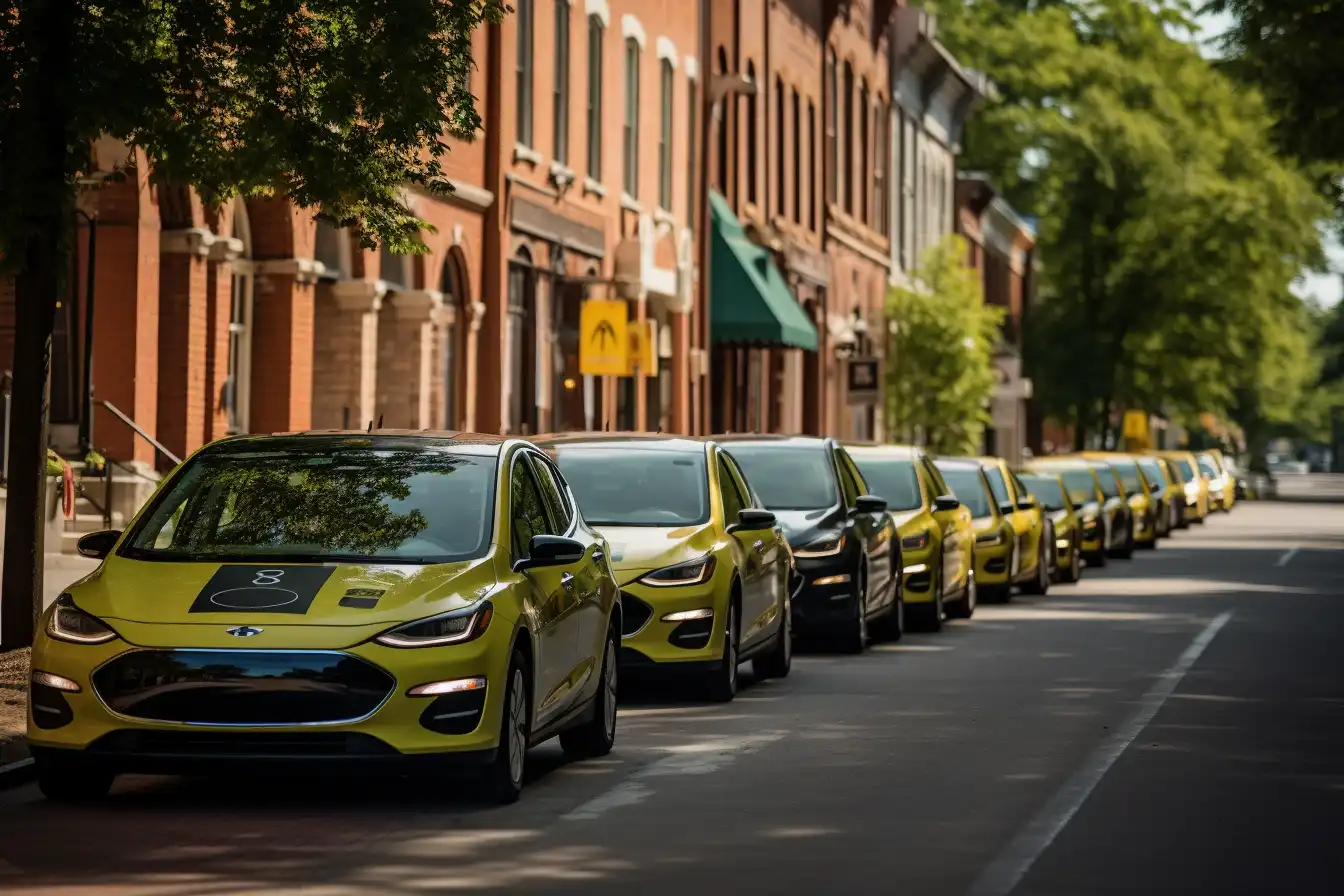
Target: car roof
(483,444)
(1062,461)
(875,449)
(957,463)
(769,439)
(638,441)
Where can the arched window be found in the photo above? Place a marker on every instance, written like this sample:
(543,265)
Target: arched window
(847,146)
(523,70)
(798,176)
(631,141)
(865,136)
(721,138)
(452,284)
(332,248)
(692,147)
(596,32)
(832,156)
(235,395)
(811,165)
(395,270)
(665,137)
(560,91)
(752,147)
(521,387)
(781,122)
(881,167)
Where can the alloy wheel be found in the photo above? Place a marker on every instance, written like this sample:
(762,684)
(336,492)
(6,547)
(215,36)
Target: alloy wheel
(517,744)
(609,686)
(730,647)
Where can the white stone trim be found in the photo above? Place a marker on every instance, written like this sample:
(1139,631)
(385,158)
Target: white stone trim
(631,27)
(191,241)
(303,270)
(666,50)
(600,9)
(525,153)
(226,248)
(692,66)
(416,304)
(359,295)
(594,187)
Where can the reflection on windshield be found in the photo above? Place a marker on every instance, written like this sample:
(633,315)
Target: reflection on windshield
(411,504)
(996,483)
(1187,471)
(1207,467)
(1082,487)
(1047,490)
(629,487)
(969,488)
(788,477)
(1153,473)
(892,479)
(1129,475)
(1108,484)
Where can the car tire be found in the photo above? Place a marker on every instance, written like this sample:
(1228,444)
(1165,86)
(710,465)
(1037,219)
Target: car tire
(929,617)
(855,637)
(1126,551)
(778,662)
(965,608)
(503,779)
(1040,583)
(1075,571)
(597,736)
(63,784)
(722,684)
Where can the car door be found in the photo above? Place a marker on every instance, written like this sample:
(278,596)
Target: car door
(956,529)
(555,633)
(747,549)
(1035,518)
(1002,491)
(763,547)
(583,594)
(876,530)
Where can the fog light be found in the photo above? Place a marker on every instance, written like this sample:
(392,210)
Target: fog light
(55,681)
(1061,543)
(916,569)
(687,615)
(456,686)
(831,580)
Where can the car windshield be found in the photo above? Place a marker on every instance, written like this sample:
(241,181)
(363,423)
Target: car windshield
(1108,484)
(1206,466)
(1187,472)
(1047,489)
(1129,475)
(893,479)
(789,477)
(323,502)
(969,487)
(1082,487)
(1152,471)
(996,483)
(632,487)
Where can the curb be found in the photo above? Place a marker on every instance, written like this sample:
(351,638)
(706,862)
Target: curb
(16,774)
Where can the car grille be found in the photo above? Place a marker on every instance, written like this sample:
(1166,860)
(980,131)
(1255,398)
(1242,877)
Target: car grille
(242,687)
(635,614)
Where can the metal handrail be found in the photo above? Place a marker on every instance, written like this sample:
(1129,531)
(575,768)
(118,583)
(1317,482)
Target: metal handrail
(135,427)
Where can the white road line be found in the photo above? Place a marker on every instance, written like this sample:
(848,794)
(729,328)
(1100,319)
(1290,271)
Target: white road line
(702,758)
(1287,557)
(1007,870)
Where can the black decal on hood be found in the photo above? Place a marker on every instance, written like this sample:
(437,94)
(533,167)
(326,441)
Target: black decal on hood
(359,603)
(262,589)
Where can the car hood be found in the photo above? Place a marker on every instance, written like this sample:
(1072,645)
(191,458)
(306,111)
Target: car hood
(636,550)
(802,527)
(163,604)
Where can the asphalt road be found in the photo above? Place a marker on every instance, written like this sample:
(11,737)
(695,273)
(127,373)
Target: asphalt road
(1172,725)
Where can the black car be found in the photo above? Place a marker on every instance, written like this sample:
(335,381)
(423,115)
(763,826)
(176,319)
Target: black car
(845,544)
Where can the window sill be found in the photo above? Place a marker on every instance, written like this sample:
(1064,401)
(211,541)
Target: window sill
(663,216)
(526,154)
(593,188)
(630,203)
(562,176)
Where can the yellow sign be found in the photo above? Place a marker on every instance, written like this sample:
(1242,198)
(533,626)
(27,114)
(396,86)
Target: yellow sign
(604,339)
(1136,425)
(643,348)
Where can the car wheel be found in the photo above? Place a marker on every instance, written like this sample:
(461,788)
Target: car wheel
(504,777)
(1040,583)
(1126,549)
(930,615)
(965,608)
(856,637)
(723,680)
(597,736)
(1075,570)
(779,660)
(64,784)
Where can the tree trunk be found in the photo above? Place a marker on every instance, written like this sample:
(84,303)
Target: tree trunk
(44,137)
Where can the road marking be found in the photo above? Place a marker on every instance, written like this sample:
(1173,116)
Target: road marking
(1003,875)
(703,758)
(1287,557)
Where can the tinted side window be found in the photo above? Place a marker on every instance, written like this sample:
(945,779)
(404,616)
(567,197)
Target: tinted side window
(939,484)
(527,512)
(1022,490)
(849,484)
(749,498)
(733,499)
(552,493)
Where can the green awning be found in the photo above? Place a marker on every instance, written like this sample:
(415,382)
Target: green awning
(749,302)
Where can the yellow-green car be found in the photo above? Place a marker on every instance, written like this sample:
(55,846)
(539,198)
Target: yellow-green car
(1053,496)
(400,601)
(1117,507)
(1165,490)
(703,567)
(1221,481)
(1143,508)
(1097,524)
(936,537)
(1033,530)
(1193,484)
(995,539)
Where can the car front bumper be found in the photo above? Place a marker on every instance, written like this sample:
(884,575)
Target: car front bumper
(824,593)
(650,639)
(992,564)
(917,576)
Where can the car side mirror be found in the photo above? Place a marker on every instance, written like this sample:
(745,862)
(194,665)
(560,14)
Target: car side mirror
(870,504)
(549,550)
(752,520)
(944,503)
(1027,503)
(1007,507)
(98,544)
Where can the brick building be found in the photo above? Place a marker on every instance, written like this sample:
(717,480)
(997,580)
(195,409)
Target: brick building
(257,318)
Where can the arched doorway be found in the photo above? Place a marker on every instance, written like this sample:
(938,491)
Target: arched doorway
(236,394)
(521,386)
(453,339)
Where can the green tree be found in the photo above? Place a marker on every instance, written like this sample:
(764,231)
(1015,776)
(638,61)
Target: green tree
(339,104)
(939,373)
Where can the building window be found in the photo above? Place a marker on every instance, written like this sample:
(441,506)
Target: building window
(881,125)
(865,137)
(847,145)
(721,138)
(631,136)
(560,96)
(521,386)
(395,270)
(692,148)
(595,34)
(665,139)
(781,179)
(523,22)
(752,147)
(832,158)
(796,108)
(812,167)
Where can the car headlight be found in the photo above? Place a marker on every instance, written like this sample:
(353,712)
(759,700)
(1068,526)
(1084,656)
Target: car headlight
(989,539)
(692,572)
(454,627)
(916,542)
(1136,501)
(69,623)
(825,547)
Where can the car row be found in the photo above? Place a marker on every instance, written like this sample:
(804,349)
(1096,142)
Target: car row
(422,603)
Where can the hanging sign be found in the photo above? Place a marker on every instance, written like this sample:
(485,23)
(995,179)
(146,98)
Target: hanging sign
(604,338)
